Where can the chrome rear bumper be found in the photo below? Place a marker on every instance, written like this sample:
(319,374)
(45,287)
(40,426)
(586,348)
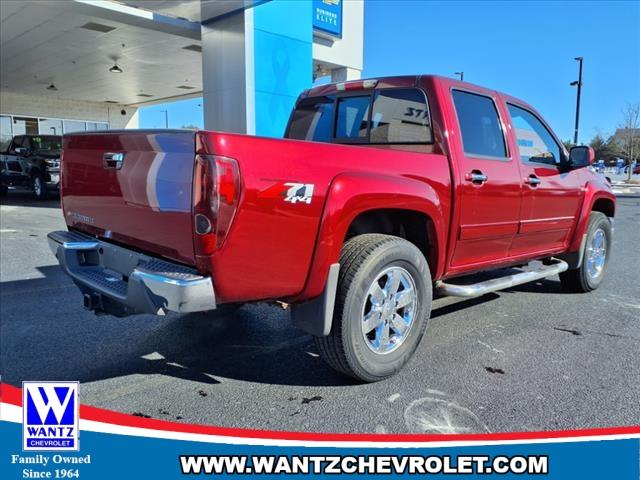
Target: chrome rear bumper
(120,282)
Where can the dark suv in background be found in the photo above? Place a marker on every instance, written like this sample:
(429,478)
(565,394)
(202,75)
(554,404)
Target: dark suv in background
(32,161)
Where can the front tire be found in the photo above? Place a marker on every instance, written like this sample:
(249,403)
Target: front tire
(382,306)
(589,275)
(39,187)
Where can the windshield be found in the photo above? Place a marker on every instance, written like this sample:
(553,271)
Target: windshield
(47,143)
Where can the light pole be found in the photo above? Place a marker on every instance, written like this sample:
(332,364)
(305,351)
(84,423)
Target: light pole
(166,118)
(577,83)
(460,74)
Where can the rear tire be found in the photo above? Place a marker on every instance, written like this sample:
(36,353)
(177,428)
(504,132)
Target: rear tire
(4,189)
(589,275)
(39,187)
(382,306)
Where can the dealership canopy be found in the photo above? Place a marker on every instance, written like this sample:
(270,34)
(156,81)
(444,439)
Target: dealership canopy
(77,63)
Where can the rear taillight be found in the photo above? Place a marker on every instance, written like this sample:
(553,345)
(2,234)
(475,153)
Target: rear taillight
(216,194)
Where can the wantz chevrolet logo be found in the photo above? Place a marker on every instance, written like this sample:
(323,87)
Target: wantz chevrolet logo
(50,416)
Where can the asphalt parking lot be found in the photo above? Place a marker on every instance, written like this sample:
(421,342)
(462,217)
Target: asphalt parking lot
(530,358)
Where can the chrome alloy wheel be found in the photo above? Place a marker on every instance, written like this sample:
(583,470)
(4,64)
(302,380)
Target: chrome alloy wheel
(389,310)
(597,253)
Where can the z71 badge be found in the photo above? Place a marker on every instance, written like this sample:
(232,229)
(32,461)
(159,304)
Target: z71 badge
(299,192)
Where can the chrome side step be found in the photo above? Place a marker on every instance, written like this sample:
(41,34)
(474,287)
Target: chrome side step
(495,284)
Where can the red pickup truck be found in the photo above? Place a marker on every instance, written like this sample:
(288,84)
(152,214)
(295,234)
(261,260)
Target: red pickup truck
(383,193)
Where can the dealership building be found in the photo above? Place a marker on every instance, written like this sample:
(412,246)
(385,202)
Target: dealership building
(74,65)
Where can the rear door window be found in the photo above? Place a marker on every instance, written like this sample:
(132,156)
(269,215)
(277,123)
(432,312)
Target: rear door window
(400,115)
(353,118)
(313,119)
(480,126)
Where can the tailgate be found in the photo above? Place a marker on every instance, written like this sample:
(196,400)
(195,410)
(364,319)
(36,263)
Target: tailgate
(133,187)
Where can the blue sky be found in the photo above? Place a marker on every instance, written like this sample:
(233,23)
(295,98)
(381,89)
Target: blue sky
(181,114)
(523,48)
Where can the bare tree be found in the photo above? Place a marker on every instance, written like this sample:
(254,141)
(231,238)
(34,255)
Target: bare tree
(630,135)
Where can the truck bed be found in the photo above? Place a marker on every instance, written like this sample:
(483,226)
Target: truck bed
(147,205)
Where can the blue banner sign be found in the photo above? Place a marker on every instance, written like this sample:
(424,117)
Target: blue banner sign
(118,445)
(327,17)
(108,455)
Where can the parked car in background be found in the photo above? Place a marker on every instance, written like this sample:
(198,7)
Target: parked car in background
(31,161)
(383,193)
(599,171)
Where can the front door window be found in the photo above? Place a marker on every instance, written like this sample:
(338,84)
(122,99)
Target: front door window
(535,143)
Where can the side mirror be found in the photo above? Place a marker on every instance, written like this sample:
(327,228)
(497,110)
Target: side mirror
(581,156)
(23,151)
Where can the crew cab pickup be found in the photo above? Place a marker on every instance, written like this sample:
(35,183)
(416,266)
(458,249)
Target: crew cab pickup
(31,161)
(383,193)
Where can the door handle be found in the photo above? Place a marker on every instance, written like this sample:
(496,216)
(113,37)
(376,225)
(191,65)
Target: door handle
(475,177)
(532,180)
(113,160)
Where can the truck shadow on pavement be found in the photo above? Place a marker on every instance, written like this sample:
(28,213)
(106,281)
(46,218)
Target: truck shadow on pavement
(256,343)
(54,338)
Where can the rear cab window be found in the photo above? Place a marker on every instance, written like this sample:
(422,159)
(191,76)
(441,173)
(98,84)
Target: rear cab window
(313,119)
(378,117)
(353,118)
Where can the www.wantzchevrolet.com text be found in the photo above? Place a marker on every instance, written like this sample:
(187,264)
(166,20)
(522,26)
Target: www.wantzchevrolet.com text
(357,464)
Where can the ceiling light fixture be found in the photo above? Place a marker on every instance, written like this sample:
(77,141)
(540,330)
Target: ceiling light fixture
(115,69)
(52,87)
